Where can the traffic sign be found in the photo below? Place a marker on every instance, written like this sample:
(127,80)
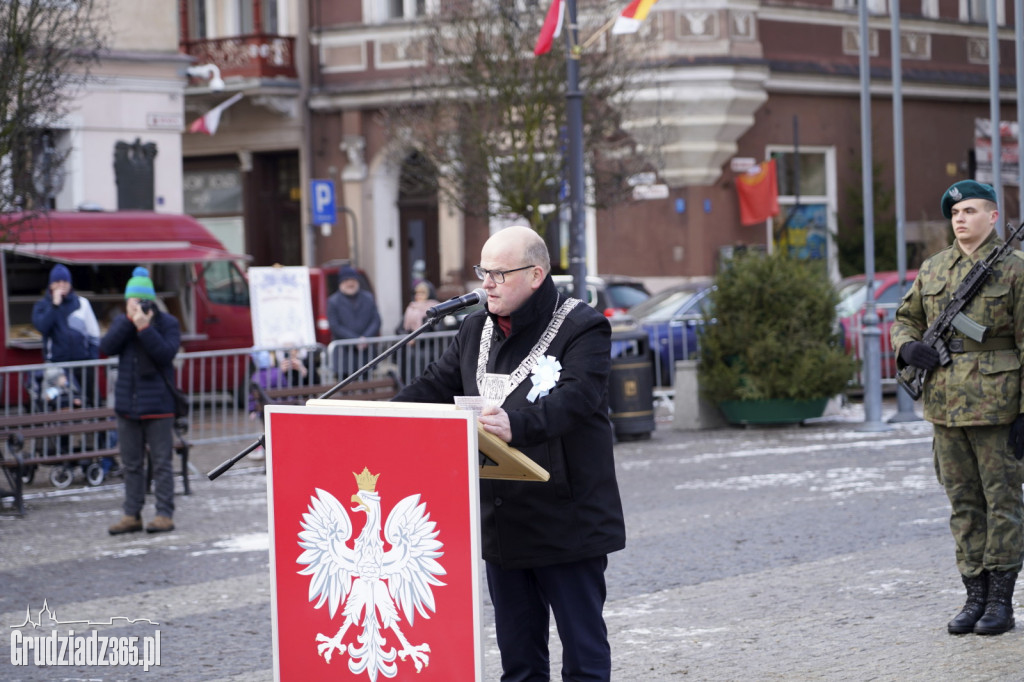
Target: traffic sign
(324,211)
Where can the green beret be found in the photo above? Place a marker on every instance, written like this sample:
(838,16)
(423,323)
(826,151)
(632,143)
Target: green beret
(966,189)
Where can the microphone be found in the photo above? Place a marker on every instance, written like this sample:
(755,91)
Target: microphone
(457,303)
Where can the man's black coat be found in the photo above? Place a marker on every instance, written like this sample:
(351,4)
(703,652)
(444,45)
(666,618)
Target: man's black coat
(577,514)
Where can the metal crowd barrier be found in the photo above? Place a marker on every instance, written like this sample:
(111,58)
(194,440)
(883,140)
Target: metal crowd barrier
(679,341)
(216,382)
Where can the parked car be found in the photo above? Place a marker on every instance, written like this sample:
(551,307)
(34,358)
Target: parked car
(849,311)
(671,319)
(611,294)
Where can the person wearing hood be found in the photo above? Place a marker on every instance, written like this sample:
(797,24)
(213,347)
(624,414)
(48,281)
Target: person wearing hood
(69,328)
(352,314)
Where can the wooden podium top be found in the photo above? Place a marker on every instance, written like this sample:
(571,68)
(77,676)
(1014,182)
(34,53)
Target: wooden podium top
(502,461)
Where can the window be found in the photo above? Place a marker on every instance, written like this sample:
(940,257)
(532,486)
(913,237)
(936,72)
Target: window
(197,29)
(49,152)
(225,284)
(807,203)
(378,11)
(976,11)
(247,20)
(875,7)
(213,192)
(930,9)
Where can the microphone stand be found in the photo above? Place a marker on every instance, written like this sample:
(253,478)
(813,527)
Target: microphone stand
(227,464)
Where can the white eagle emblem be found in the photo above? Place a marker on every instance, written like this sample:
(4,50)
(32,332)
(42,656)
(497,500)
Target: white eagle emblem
(372,583)
(955,195)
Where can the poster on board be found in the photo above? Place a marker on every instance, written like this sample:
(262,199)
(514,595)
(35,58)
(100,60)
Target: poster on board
(282,307)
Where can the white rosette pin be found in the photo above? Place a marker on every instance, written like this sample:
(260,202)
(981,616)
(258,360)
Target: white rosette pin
(544,377)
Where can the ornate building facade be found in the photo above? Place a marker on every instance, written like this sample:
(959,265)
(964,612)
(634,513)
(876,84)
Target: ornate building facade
(730,82)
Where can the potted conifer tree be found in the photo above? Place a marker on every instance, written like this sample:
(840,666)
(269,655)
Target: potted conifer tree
(769,348)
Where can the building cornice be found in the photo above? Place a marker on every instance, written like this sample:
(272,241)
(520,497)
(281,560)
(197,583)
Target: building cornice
(827,17)
(829,85)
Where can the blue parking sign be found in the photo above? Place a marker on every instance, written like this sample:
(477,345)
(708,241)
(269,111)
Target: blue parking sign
(323,202)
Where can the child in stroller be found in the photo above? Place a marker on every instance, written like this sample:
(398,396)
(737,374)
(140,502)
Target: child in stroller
(269,372)
(53,389)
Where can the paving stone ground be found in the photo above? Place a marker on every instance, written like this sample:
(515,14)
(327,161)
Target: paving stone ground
(798,553)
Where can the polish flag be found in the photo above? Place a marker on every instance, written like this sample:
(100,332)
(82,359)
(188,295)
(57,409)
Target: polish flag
(551,29)
(631,18)
(210,121)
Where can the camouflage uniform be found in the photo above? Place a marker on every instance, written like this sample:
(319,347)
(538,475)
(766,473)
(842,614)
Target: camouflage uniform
(972,401)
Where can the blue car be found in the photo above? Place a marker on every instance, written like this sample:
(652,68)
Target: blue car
(671,319)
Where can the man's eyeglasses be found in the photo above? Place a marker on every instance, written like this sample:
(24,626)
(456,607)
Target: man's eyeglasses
(497,276)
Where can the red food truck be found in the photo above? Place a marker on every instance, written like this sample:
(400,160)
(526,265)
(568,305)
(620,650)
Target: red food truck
(196,279)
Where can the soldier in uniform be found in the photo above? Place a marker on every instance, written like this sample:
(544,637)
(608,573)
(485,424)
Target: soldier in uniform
(974,404)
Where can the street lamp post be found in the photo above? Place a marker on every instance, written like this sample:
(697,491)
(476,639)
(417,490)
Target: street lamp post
(904,402)
(574,122)
(870,331)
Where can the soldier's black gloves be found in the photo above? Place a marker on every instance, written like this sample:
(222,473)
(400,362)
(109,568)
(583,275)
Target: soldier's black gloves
(1017,436)
(919,354)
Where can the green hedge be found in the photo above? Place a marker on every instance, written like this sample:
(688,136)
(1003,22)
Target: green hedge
(771,333)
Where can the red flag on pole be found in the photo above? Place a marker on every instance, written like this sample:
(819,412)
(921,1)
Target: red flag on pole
(210,121)
(551,29)
(758,191)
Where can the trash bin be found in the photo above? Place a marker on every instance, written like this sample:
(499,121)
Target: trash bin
(631,384)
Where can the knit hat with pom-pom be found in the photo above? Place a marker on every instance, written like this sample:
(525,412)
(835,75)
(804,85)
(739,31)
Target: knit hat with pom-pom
(140,285)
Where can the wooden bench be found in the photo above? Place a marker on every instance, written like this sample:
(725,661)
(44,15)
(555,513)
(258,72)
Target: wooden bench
(69,435)
(369,389)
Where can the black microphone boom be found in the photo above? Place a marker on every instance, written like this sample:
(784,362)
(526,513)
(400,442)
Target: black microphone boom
(457,303)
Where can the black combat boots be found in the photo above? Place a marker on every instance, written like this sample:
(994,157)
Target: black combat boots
(977,591)
(998,616)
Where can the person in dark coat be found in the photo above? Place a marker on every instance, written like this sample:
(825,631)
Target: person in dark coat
(145,341)
(352,314)
(69,329)
(545,545)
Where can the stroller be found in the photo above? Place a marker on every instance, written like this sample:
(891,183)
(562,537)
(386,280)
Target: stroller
(51,390)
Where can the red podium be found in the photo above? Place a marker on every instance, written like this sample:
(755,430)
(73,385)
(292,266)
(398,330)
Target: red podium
(374,540)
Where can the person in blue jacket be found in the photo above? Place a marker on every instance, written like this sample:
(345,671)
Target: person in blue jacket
(69,329)
(145,340)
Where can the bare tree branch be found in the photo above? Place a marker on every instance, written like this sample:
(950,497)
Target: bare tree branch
(491,117)
(47,48)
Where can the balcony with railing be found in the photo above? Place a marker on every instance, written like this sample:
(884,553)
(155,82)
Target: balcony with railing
(248,56)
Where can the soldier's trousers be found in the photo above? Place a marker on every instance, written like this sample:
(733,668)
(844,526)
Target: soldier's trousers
(976,466)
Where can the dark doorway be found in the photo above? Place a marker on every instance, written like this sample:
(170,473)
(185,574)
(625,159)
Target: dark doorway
(273,225)
(417,214)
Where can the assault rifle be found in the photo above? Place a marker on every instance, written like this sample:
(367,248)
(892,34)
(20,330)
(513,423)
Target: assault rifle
(912,378)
